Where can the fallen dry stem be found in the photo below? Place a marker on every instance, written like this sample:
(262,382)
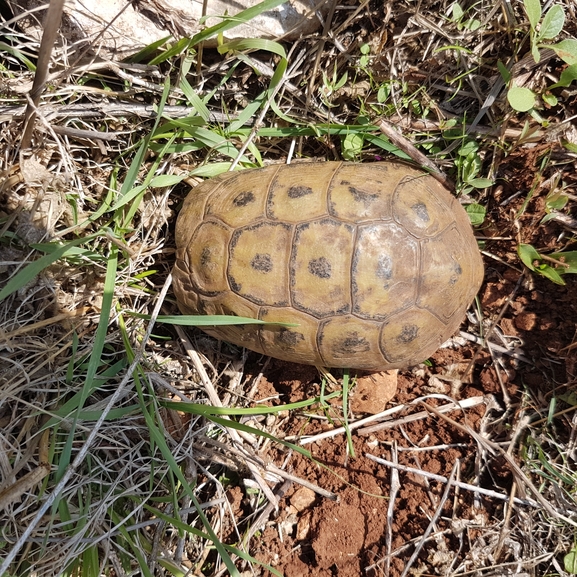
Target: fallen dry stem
(522,479)
(453,405)
(433,522)
(459,484)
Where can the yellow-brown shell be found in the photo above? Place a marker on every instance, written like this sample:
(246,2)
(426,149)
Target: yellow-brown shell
(376,263)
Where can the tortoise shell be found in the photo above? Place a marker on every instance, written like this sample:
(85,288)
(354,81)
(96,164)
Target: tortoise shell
(376,263)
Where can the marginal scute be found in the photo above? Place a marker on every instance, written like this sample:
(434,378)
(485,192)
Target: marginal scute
(445,264)
(290,342)
(412,336)
(368,266)
(206,256)
(350,342)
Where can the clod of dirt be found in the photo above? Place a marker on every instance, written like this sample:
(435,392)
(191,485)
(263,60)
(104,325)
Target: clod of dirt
(374,391)
(339,534)
(302,498)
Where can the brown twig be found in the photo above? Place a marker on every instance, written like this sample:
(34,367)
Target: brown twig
(408,148)
(51,25)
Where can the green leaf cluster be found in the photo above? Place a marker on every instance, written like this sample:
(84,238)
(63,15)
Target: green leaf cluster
(543,29)
(551,266)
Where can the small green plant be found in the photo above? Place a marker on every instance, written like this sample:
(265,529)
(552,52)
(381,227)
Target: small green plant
(555,201)
(543,29)
(365,58)
(551,266)
(468,163)
(332,85)
(459,17)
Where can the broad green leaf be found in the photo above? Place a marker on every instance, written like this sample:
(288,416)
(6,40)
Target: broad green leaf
(566,50)
(352,146)
(231,22)
(240,44)
(476,213)
(213,169)
(568,258)
(533,9)
(457,11)
(528,255)
(166,180)
(557,201)
(552,23)
(549,98)
(567,77)
(570,562)
(570,147)
(470,147)
(480,182)
(550,273)
(521,99)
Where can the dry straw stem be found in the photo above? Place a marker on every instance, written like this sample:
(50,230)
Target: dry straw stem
(385,415)
(215,400)
(395,487)
(459,484)
(51,25)
(409,148)
(520,476)
(433,522)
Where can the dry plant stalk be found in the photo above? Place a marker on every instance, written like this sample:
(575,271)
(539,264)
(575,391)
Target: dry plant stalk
(51,25)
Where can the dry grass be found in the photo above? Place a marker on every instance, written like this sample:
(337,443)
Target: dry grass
(98,477)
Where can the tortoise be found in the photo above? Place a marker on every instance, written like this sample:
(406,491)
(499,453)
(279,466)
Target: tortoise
(376,264)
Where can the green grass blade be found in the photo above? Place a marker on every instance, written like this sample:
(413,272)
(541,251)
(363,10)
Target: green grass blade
(32,270)
(207,320)
(158,439)
(232,21)
(209,410)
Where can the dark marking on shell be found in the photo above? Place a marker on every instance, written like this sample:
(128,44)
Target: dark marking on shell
(320,267)
(288,338)
(353,344)
(235,286)
(299,191)
(408,334)
(385,267)
(205,256)
(262,263)
(458,272)
(362,196)
(420,210)
(244,198)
